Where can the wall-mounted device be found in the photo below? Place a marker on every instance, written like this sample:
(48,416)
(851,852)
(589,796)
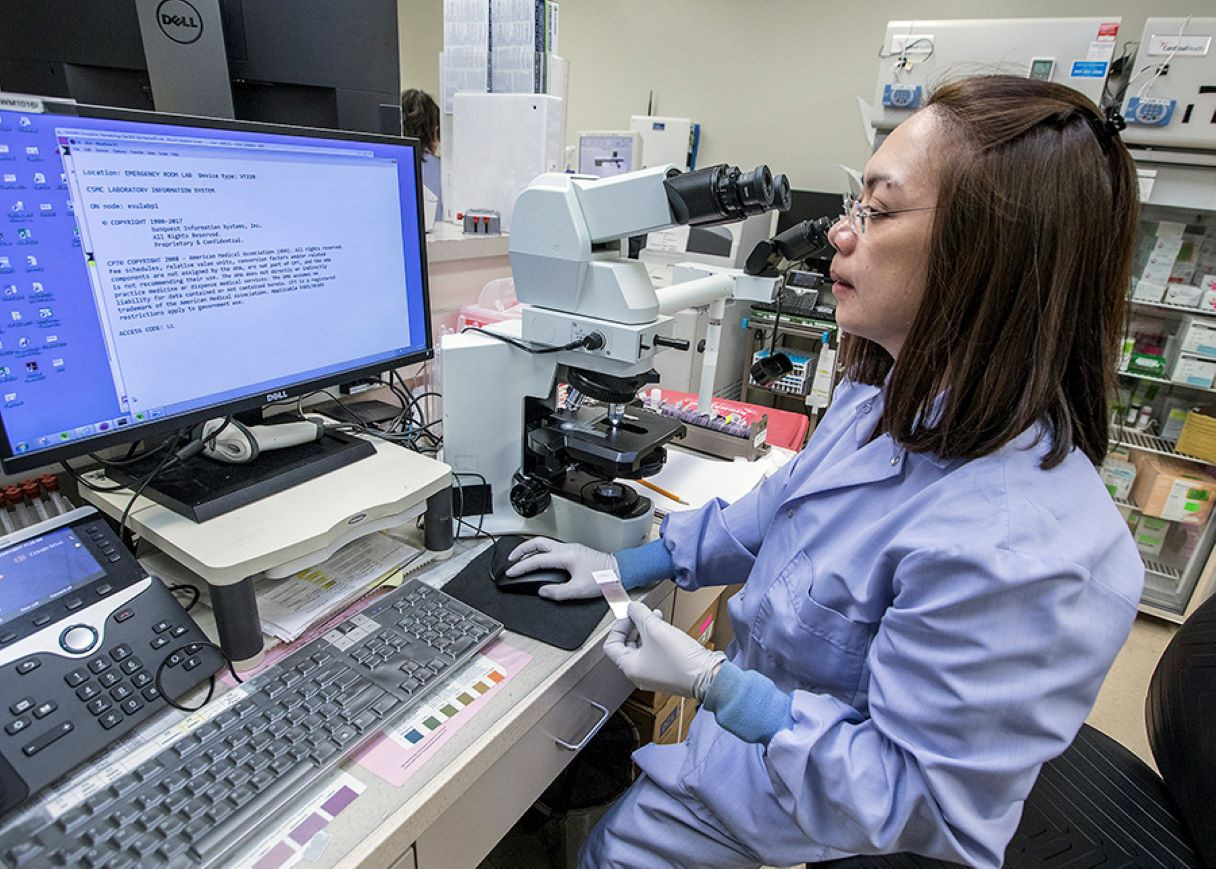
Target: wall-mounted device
(1170,101)
(916,56)
(609,152)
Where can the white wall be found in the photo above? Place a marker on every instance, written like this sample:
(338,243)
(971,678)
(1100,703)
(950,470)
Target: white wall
(420,39)
(770,81)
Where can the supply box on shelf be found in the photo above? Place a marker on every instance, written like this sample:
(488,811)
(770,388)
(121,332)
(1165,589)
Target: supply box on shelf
(1170,489)
(1198,437)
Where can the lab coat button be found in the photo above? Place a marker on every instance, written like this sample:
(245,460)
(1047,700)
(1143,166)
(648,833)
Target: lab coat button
(789,514)
(894,461)
(865,408)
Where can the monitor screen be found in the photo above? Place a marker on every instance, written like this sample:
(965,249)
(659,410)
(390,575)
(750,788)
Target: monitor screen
(156,271)
(605,155)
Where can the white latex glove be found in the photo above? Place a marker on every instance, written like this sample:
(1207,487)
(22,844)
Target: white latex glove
(659,657)
(541,553)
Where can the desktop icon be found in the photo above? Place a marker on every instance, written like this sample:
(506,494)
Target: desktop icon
(10,178)
(84,431)
(140,416)
(31,366)
(16,315)
(44,441)
(45,207)
(21,447)
(52,339)
(3,149)
(45,313)
(39,178)
(104,425)
(10,396)
(5,265)
(31,262)
(24,234)
(36,286)
(121,421)
(5,371)
(19,205)
(31,150)
(58,363)
(23,121)
(10,290)
(63,177)
(23,342)
(65,435)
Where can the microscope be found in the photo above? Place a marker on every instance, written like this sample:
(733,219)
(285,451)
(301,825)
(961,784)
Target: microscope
(540,414)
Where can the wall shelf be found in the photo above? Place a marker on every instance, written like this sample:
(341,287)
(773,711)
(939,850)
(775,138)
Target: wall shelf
(1150,444)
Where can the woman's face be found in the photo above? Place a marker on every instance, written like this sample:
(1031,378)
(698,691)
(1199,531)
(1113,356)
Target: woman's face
(880,274)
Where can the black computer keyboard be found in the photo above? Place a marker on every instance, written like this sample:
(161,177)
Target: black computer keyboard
(203,794)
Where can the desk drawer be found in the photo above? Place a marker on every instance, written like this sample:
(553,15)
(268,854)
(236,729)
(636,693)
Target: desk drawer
(466,832)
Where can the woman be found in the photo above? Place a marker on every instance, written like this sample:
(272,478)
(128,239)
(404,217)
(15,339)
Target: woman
(937,584)
(420,120)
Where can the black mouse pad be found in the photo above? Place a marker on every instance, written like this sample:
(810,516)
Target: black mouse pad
(565,624)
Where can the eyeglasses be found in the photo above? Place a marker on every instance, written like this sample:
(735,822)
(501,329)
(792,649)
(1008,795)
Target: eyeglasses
(859,215)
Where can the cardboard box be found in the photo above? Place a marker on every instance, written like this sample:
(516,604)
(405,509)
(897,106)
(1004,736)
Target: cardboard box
(661,726)
(1171,489)
(1118,476)
(1150,534)
(1198,437)
(702,631)
(1198,335)
(1194,372)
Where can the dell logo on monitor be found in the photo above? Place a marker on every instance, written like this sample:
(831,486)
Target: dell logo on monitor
(276,396)
(179,21)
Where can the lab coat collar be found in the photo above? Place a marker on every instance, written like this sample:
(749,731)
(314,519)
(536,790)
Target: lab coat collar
(870,409)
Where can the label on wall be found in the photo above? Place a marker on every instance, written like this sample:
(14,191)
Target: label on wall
(1088,69)
(1192,46)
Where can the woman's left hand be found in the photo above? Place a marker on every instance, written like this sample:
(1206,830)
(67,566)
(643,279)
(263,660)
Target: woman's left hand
(659,657)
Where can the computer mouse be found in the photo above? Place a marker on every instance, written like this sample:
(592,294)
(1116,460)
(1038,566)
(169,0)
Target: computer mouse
(526,583)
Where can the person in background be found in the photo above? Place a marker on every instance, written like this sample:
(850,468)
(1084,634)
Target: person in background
(420,120)
(935,587)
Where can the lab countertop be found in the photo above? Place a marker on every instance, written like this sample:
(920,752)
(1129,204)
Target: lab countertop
(447,242)
(385,820)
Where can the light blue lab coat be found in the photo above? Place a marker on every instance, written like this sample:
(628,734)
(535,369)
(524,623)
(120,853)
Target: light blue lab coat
(943,628)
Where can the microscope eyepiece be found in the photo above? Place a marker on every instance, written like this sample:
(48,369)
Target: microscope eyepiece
(723,194)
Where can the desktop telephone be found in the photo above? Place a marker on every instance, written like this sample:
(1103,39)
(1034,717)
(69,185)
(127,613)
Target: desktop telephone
(84,632)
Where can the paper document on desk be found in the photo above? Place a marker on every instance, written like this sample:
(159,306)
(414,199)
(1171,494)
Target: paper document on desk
(288,606)
(698,479)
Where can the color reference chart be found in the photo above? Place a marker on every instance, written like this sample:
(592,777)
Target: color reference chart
(399,751)
(302,834)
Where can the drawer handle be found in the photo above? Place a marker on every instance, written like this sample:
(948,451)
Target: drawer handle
(605,714)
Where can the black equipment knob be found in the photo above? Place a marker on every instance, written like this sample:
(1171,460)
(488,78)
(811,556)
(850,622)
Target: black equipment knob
(530,496)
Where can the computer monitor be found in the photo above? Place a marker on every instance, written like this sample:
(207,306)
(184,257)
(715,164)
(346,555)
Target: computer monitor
(604,154)
(157,271)
(313,63)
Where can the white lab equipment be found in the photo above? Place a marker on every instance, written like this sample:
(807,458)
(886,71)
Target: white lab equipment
(667,140)
(501,142)
(1170,99)
(916,56)
(609,152)
(592,319)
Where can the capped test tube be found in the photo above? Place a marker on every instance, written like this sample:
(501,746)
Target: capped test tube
(21,513)
(51,483)
(33,497)
(6,520)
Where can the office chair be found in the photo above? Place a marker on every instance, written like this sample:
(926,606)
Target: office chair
(1098,804)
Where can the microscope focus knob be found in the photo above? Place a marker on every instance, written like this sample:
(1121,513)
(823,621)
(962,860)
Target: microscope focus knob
(530,496)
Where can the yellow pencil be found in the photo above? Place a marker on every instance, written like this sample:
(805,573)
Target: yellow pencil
(672,495)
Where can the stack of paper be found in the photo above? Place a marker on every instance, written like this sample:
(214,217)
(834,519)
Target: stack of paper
(288,606)
(698,479)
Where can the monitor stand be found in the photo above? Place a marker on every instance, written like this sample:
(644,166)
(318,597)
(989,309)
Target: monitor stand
(203,488)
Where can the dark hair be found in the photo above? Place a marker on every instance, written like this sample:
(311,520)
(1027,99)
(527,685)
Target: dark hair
(1029,266)
(420,118)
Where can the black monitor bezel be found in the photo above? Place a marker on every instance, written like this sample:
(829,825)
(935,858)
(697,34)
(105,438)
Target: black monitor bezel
(12,463)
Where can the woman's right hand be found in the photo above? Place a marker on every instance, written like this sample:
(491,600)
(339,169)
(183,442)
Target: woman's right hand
(541,553)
